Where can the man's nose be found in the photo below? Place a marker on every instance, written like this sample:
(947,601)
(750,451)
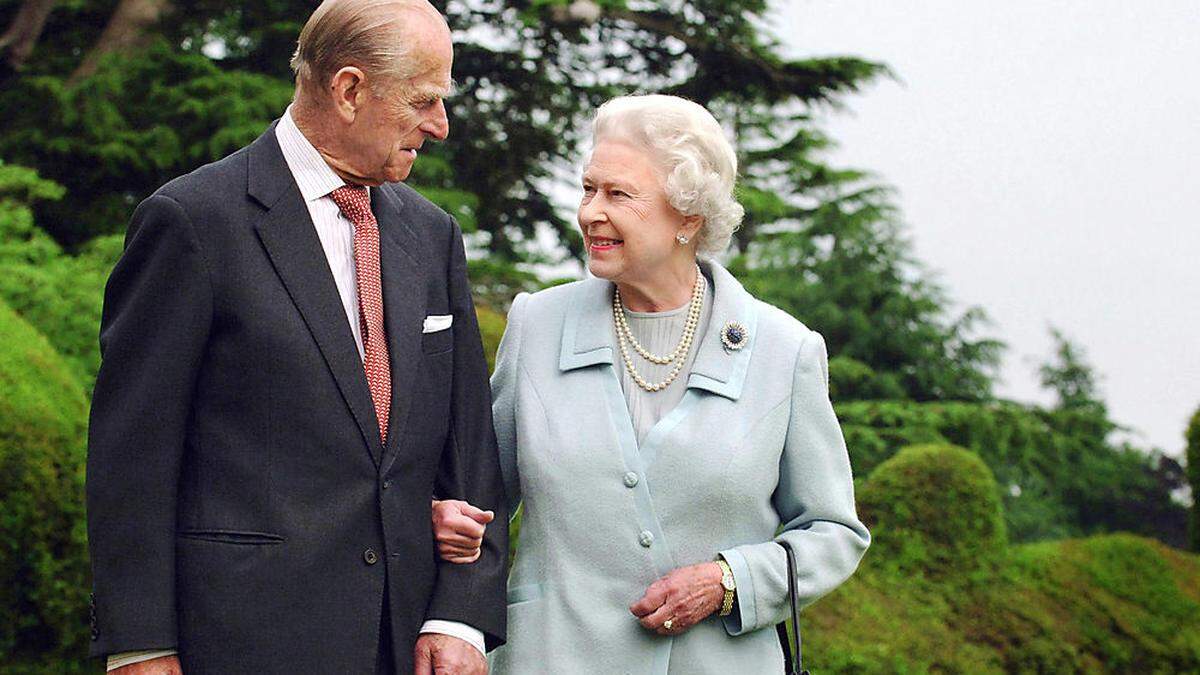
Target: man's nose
(436,124)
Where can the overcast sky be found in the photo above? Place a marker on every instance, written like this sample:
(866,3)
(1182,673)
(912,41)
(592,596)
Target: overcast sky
(1045,153)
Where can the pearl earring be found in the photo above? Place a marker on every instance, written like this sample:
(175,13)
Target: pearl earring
(681,238)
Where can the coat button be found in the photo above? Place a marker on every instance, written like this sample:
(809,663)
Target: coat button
(631,479)
(646,538)
(370,556)
(387,484)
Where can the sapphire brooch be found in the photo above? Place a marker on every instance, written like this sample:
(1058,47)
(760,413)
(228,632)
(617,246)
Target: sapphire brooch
(734,336)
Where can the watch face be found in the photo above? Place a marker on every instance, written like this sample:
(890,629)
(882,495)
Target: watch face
(727,582)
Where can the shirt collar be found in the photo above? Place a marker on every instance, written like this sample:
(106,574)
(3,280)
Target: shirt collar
(313,176)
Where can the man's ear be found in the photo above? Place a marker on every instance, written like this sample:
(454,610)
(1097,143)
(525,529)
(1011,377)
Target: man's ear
(348,87)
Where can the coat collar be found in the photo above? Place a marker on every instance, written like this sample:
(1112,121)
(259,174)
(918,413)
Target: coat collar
(287,233)
(588,332)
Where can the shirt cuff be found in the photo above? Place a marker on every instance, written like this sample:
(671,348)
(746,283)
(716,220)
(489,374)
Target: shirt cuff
(129,658)
(455,629)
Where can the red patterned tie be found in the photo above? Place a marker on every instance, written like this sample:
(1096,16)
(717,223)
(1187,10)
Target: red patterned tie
(355,203)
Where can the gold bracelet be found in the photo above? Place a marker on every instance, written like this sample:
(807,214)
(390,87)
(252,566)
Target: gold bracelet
(730,586)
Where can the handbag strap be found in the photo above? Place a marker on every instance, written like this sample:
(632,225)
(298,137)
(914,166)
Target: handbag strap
(793,662)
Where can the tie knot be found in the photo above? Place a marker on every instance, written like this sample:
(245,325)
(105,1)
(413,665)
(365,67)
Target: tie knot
(355,203)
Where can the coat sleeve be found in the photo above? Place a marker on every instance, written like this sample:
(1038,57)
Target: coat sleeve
(815,502)
(504,400)
(153,331)
(473,594)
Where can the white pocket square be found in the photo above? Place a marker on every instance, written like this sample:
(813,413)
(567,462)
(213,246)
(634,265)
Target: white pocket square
(436,322)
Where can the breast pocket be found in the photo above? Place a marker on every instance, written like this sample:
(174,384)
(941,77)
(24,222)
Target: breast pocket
(438,342)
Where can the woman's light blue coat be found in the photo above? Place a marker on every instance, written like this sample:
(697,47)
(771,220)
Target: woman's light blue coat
(754,445)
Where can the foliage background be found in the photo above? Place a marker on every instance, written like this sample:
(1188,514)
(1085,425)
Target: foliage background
(994,521)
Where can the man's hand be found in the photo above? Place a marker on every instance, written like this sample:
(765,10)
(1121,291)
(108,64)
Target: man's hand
(685,596)
(458,529)
(438,654)
(163,665)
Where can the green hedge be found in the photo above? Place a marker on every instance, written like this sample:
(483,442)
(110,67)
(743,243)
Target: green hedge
(939,592)
(59,294)
(1058,475)
(935,511)
(43,553)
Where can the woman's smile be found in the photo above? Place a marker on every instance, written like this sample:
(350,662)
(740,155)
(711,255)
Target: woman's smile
(604,245)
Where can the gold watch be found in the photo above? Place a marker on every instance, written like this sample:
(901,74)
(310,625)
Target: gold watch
(730,587)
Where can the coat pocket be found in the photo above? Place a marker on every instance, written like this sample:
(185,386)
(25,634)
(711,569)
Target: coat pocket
(438,342)
(231,536)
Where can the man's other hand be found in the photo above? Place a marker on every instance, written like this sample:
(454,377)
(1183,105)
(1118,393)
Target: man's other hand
(458,529)
(163,665)
(438,654)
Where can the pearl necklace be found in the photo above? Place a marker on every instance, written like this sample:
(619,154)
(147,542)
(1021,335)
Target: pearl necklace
(677,356)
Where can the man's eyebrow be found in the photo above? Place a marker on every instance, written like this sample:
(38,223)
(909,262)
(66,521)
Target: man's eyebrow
(446,90)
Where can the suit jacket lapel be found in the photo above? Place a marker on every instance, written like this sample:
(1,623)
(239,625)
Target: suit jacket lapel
(290,239)
(404,304)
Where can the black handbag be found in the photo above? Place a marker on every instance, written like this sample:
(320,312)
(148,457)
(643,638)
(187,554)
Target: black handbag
(793,664)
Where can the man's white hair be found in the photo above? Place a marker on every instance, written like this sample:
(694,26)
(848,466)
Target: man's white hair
(696,161)
(362,33)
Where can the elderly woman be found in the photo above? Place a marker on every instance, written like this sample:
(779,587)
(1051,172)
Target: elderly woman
(663,429)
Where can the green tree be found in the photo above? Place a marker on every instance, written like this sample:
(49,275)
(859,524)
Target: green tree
(1193,476)
(846,271)
(1073,381)
(1112,486)
(530,74)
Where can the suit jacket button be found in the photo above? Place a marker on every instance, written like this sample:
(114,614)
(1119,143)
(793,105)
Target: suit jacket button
(646,538)
(631,479)
(370,556)
(387,484)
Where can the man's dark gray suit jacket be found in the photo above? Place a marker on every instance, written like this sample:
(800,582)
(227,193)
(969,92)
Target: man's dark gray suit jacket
(241,506)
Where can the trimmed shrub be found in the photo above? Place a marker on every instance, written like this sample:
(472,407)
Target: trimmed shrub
(43,550)
(935,511)
(1112,603)
(939,591)
(59,294)
(1057,477)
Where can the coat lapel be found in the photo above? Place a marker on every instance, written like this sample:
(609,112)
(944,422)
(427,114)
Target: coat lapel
(588,333)
(404,300)
(290,239)
(716,369)
(587,327)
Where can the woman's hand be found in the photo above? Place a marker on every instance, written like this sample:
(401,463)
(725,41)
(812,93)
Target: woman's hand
(685,596)
(458,529)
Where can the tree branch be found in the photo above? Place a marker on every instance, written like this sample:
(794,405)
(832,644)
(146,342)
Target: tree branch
(126,30)
(22,35)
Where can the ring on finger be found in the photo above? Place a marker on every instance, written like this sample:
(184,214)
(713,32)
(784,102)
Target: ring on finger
(669,624)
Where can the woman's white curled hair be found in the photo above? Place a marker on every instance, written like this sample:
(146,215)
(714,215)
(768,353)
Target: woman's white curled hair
(698,165)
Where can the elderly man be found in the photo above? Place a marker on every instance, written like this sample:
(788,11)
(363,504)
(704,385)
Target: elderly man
(292,370)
